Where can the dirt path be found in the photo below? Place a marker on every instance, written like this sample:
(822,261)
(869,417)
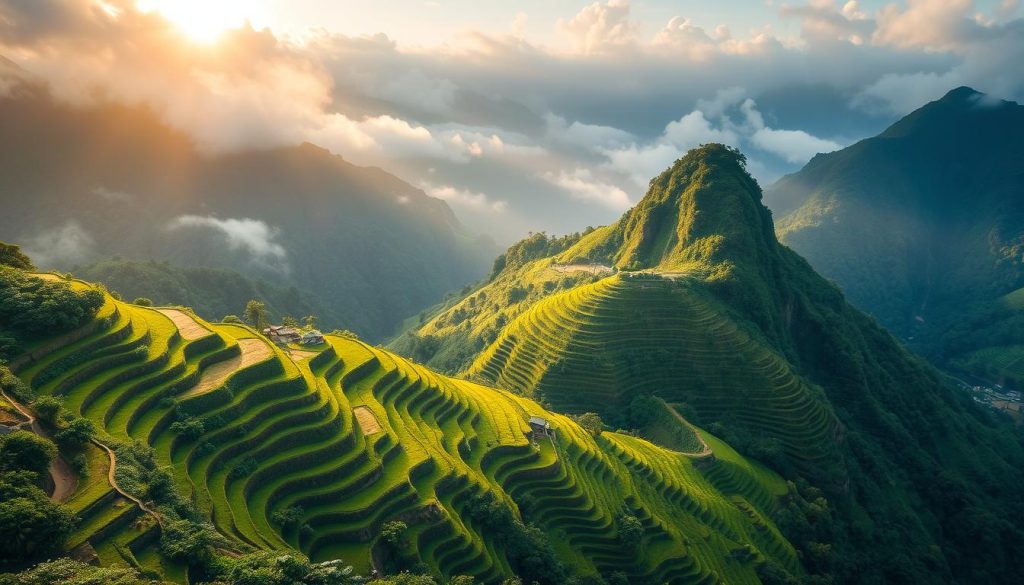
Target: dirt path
(367,420)
(706,450)
(64,478)
(188,327)
(253,351)
(113,483)
(591,268)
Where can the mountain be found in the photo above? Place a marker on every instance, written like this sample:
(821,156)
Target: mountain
(236,445)
(80,185)
(923,227)
(689,299)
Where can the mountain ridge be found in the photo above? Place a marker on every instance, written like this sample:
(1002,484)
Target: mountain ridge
(535,329)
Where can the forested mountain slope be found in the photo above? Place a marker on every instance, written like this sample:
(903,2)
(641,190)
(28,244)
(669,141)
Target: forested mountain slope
(690,298)
(79,185)
(922,226)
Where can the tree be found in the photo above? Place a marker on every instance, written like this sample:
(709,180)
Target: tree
(631,531)
(11,255)
(48,408)
(185,541)
(232,319)
(32,525)
(591,422)
(393,533)
(76,434)
(277,568)
(70,572)
(462,580)
(142,302)
(25,451)
(256,314)
(309,322)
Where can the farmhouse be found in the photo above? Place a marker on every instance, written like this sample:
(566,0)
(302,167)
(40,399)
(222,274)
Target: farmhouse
(281,334)
(541,427)
(313,337)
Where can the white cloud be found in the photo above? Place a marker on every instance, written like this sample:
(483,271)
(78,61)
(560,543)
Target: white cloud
(590,136)
(796,146)
(600,28)
(112,195)
(465,198)
(61,246)
(252,236)
(582,185)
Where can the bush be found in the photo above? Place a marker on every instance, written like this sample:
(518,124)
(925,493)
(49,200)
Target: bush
(76,433)
(48,408)
(70,572)
(142,302)
(25,451)
(393,533)
(186,542)
(32,525)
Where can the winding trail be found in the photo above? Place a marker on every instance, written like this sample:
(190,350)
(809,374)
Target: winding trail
(113,483)
(65,480)
(706,451)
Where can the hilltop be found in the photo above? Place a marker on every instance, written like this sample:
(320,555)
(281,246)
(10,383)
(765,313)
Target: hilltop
(921,227)
(690,299)
(81,185)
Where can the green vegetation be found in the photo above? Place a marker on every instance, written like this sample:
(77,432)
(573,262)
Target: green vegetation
(32,308)
(33,527)
(920,227)
(709,316)
(451,484)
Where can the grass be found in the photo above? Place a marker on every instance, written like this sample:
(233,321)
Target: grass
(290,426)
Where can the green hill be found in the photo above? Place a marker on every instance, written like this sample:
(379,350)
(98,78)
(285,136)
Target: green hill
(315,449)
(921,226)
(84,185)
(689,299)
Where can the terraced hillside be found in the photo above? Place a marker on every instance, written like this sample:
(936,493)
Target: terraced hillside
(634,334)
(690,299)
(276,432)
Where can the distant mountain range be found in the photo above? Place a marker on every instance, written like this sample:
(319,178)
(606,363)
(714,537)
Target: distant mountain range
(690,299)
(80,185)
(923,227)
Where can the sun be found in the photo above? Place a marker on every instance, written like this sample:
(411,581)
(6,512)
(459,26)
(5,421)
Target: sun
(202,20)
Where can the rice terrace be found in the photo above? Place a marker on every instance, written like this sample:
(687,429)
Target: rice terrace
(589,292)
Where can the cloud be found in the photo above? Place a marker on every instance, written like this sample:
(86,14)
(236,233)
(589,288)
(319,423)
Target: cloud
(729,117)
(465,198)
(61,246)
(251,236)
(112,195)
(600,28)
(582,185)
(496,111)
(796,146)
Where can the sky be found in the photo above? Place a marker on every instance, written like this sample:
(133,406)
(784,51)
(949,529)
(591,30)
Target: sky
(524,116)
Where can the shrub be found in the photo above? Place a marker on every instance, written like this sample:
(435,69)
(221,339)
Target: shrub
(25,451)
(32,525)
(393,533)
(232,319)
(48,408)
(142,302)
(591,422)
(76,433)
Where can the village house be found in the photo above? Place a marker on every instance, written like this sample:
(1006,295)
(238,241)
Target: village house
(313,337)
(282,335)
(541,427)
